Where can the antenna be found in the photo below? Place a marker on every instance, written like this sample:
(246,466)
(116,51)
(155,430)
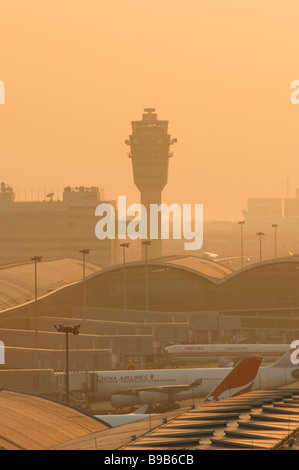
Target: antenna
(50,196)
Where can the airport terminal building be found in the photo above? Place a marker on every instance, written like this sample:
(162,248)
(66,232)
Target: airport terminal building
(255,303)
(190,300)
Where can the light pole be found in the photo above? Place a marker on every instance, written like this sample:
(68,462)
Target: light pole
(67,330)
(275,227)
(124,246)
(36,259)
(71,224)
(241,223)
(260,234)
(146,244)
(84,252)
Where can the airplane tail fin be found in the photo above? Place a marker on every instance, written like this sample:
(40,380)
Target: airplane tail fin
(238,381)
(290,358)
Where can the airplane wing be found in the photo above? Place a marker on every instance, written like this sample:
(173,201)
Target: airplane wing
(140,411)
(238,381)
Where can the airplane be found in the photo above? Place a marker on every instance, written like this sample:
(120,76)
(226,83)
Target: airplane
(237,382)
(181,353)
(217,258)
(209,255)
(130,388)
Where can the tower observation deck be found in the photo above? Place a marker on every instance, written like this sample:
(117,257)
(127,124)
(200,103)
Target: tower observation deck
(150,151)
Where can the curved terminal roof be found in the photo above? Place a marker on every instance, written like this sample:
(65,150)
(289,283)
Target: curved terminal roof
(191,263)
(198,284)
(262,265)
(17,282)
(201,265)
(33,423)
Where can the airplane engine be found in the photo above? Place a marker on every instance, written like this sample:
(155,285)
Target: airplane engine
(149,398)
(122,401)
(186,395)
(228,361)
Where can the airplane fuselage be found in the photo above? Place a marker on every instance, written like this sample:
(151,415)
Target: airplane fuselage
(203,380)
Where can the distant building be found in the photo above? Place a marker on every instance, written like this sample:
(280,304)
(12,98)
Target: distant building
(291,206)
(263,207)
(53,228)
(272,207)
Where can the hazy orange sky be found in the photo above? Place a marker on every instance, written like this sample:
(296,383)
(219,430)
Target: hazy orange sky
(78,71)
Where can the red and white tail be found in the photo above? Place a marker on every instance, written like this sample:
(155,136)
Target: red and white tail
(238,381)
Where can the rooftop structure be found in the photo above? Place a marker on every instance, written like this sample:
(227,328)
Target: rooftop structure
(33,423)
(53,228)
(18,282)
(257,420)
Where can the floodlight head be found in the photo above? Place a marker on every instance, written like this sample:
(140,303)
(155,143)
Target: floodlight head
(76,330)
(36,258)
(85,251)
(68,329)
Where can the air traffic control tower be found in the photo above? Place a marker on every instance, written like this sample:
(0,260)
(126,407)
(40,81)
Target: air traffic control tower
(150,151)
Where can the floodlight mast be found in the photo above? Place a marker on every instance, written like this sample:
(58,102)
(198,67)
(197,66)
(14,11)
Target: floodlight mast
(275,238)
(241,223)
(260,234)
(67,330)
(84,252)
(146,244)
(36,259)
(124,246)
